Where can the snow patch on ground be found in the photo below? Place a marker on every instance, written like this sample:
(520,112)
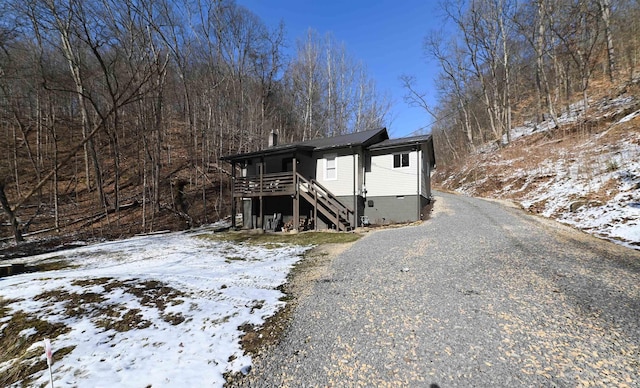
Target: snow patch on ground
(571,115)
(630,116)
(594,185)
(606,108)
(223,286)
(597,191)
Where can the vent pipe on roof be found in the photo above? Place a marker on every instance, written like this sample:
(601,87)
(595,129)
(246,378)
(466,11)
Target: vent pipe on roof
(273,139)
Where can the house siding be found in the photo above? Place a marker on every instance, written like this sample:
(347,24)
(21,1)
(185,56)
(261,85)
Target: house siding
(305,166)
(392,209)
(276,164)
(343,185)
(356,204)
(385,180)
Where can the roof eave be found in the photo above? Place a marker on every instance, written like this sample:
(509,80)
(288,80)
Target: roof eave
(376,147)
(267,152)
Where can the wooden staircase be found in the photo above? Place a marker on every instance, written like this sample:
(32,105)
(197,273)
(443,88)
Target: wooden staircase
(325,203)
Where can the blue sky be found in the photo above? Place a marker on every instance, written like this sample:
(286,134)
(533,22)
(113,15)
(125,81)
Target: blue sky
(385,35)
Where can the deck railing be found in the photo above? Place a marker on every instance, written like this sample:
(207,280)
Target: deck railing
(325,202)
(279,184)
(265,185)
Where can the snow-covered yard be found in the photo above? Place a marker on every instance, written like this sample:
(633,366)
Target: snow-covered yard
(160,310)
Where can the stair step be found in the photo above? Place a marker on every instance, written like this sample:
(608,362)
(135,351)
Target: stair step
(327,204)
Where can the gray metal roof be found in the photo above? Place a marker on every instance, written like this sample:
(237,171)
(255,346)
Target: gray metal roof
(364,138)
(373,139)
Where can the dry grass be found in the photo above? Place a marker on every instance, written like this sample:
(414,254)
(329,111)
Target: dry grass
(25,359)
(273,240)
(17,350)
(51,265)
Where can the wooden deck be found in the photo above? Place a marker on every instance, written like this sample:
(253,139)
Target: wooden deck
(297,187)
(265,185)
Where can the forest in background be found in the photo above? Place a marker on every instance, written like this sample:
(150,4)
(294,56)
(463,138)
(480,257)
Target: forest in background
(504,63)
(114,113)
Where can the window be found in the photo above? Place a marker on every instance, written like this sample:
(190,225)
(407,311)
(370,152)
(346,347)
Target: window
(330,167)
(400,160)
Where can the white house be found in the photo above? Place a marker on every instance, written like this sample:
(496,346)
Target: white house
(337,182)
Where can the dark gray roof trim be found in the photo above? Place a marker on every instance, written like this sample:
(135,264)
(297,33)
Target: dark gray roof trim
(277,150)
(400,142)
(355,139)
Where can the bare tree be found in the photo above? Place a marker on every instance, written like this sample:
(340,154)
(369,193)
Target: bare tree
(11,214)
(455,76)
(579,43)
(61,21)
(334,92)
(626,21)
(305,75)
(536,34)
(469,23)
(605,11)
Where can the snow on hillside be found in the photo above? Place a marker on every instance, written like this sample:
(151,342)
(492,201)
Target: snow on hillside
(588,180)
(604,109)
(160,310)
(567,196)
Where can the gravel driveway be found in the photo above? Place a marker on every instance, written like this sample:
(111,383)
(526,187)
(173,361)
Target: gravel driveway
(480,295)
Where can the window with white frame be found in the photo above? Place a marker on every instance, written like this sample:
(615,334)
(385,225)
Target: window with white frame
(330,167)
(401,160)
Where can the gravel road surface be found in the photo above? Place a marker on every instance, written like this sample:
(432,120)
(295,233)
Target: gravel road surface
(480,295)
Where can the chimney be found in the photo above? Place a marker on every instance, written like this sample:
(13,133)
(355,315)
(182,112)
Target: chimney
(273,139)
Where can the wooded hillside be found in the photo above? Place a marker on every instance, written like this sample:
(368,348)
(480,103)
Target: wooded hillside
(506,63)
(114,113)
(539,103)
